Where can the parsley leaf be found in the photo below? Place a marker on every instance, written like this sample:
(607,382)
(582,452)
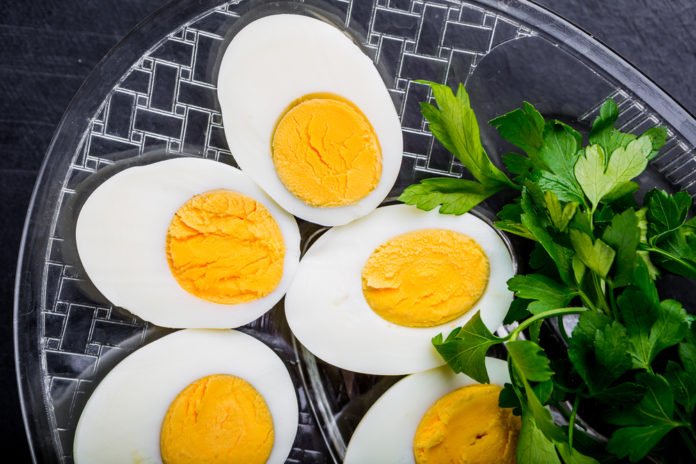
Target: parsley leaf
(563,188)
(647,422)
(453,196)
(517,164)
(638,315)
(657,404)
(636,442)
(532,445)
(686,379)
(658,138)
(508,399)
(580,350)
(558,156)
(530,359)
(626,392)
(454,124)
(611,353)
(582,223)
(643,282)
(650,327)
(552,148)
(465,348)
(677,252)
(522,127)
(621,191)
(578,269)
(544,390)
(623,235)
(560,216)
(510,220)
(559,254)
(598,256)
(603,132)
(608,114)
(559,153)
(687,354)
(573,456)
(598,350)
(542,416)
(546,292)
(666,213)
(683,384)
(671,238)
(670,327)
(604,214)
(599,177)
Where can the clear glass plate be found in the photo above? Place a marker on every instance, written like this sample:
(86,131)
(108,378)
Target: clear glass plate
(154,96)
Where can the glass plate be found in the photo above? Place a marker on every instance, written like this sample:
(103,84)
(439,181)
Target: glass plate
(154,96)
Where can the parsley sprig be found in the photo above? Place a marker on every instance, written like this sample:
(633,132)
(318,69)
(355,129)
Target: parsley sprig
(629,366)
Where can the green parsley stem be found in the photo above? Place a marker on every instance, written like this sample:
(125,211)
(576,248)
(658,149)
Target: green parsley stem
(602,302)
(514,185)
(546,314)
(571,421)
(513,377)
(612,297)
(565,389)
(586,300)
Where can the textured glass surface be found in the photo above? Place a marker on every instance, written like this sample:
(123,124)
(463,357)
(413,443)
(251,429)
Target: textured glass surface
(154,97)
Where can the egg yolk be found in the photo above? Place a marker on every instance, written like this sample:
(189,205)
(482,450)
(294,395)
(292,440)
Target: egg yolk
(467,427)
(425,278)
(217,419)
(326,152)
(225,247)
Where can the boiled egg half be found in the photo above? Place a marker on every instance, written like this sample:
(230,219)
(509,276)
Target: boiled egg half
(308,117)
(192,396)
(187,243)
(435,417)
(369,296)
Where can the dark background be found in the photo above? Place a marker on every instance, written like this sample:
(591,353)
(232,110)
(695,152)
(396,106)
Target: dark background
(47,49)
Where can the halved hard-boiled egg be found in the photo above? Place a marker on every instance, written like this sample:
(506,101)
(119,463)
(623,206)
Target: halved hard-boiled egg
(369,296)
(194,396)
(436,417)
(187,242)
(308,117)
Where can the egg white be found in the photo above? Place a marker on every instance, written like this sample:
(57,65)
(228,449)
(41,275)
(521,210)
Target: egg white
(327,312)
(121,240)
(277,59)
(385,434)
(121,421)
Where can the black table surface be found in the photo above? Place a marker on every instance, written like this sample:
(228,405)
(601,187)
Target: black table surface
(48,47)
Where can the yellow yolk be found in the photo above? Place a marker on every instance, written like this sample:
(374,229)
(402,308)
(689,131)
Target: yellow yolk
(425,278)
(225,247)
(467,427)
(217,419)
(326,152)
